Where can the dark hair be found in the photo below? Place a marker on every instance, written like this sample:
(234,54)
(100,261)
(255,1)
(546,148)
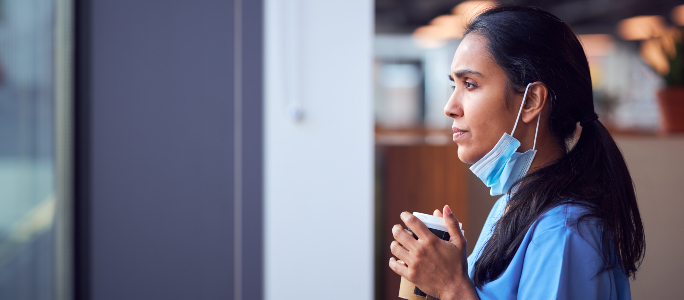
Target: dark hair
(532,45)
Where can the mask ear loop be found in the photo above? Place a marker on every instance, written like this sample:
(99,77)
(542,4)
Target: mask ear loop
(520,111)
(536,131)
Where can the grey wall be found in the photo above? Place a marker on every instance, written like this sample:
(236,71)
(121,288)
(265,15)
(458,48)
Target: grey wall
(168,135)
(657,169)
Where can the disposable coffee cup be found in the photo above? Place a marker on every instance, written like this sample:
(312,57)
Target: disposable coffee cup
(436,225)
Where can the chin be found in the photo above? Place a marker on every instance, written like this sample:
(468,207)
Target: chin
(466,156)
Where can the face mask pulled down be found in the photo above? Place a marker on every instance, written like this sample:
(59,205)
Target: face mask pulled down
(502,166)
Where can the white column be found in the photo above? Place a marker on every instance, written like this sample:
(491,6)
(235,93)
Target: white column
(318,149)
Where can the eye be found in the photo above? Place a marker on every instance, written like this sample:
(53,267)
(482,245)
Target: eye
(468,84)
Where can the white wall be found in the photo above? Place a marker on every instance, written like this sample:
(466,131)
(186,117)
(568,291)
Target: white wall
(319,170)
(657,169)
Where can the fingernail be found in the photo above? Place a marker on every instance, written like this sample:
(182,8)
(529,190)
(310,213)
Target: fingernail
(402,215)
(447,210)
(394,229)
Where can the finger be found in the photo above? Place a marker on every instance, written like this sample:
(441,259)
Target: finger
(399,268)
(417,226)
(399,251)
(437,213)
(404,237)
(453,226)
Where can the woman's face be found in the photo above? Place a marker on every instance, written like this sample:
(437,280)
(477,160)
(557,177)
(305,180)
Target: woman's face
(478,103)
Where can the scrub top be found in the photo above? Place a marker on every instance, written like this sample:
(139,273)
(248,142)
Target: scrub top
(556,260)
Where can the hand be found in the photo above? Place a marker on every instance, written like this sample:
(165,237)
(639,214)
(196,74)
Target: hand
(439,268)
(438,213)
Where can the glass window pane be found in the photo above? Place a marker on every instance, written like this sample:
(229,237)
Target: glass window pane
(27,199)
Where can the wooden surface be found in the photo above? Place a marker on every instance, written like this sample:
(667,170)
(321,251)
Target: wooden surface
(415,178)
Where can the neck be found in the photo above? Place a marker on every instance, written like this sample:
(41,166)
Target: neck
(548,150)
(546,155)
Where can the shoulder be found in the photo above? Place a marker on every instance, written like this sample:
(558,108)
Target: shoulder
(564,216)
(566,222)
(562,258)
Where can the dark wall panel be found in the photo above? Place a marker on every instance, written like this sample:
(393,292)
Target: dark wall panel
(252,148)
(158,156)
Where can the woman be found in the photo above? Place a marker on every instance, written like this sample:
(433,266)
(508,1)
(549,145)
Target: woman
(568,225)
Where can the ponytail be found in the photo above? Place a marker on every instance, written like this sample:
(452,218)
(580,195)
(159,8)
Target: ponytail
(623,233)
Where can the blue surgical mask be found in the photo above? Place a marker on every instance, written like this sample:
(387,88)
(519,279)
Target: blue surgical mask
(502,166)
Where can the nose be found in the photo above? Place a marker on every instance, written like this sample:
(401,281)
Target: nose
(453,107)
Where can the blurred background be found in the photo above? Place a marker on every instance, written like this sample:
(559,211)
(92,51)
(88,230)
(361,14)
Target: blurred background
(263,149)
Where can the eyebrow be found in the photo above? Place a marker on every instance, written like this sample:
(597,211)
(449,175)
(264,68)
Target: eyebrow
(461,73)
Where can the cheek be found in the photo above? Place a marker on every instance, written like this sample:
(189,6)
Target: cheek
(486,125)
(480,142)
(474,147)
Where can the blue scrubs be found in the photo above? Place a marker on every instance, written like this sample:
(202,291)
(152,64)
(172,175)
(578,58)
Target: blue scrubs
(554,260)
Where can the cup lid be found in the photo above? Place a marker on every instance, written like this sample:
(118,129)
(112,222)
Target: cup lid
(434,222)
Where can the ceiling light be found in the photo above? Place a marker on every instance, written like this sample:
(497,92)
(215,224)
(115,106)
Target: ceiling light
(472,8)
(442,28)
(641,27)
(596,44)
(678,15)
(452,27)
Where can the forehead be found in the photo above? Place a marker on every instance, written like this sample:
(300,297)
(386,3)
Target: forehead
(472,54)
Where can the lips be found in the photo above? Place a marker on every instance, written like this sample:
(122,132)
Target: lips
(458,133)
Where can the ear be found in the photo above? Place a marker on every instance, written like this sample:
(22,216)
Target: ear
(537,96)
